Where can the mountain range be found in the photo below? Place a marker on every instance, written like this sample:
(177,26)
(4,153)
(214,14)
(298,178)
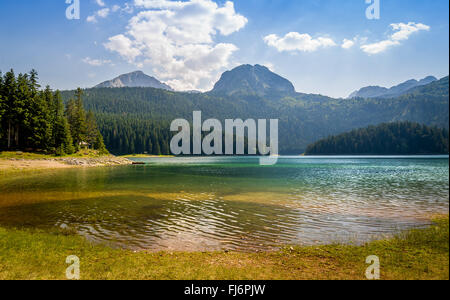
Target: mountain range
(137,120)
(259,81)
(395,91)
(245,79)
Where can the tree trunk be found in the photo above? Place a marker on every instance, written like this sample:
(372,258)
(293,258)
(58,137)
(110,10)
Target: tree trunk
(16,137)
(9,134)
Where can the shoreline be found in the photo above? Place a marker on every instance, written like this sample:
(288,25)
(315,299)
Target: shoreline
(37,163)
(146,156)
(415,254)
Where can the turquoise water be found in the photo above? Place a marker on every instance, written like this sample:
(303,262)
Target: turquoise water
(233,203)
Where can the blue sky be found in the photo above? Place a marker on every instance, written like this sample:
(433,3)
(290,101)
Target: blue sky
(188,44)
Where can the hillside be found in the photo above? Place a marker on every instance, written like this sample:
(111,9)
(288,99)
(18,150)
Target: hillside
(439,87)
(395,91)
(136,120)
(402,138)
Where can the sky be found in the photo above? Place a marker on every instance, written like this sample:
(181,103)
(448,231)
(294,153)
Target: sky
(328,47)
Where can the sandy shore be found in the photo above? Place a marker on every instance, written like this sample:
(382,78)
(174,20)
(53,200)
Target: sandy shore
(60,163)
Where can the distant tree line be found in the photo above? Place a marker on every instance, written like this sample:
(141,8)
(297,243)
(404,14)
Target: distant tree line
(37,120)
(400,138)
(131,134)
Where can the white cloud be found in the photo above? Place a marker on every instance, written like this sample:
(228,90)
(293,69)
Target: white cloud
(106,11)
(95,62)
(347,44)
(295,41)
(124,46)
(100,3)
(379,47)
(91,19)
(402,32)
(102,13)
(176,39)
(405,30)
(127,8)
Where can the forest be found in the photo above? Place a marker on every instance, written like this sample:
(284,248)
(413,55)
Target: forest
(137,120)
(399,138)
(34,119)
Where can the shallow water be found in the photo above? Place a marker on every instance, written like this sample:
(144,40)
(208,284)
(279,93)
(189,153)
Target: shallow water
(232,203)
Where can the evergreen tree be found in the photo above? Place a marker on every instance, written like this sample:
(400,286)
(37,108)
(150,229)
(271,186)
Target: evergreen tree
(76,116)
(34,85)
(91,129)
(12,107)
(62,138)
(40,119)
(2,108)
(99,144)
(93,136)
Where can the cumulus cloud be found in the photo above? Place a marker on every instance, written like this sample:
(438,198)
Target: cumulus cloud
(402,32)
(347,44)
(295,41)
(124,46)
(405,30)
(102,13)
(106,11)
(176,39)
(95,62)
(379,47)
(100,3)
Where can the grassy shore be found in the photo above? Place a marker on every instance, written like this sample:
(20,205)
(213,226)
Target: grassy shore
(40,156)
(146,156)
(416,254)
(17,163)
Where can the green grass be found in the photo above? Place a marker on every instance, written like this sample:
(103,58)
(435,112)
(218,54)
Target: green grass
(34,156)
(416,254)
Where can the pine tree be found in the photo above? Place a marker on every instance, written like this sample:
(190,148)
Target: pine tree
(91,129)
(61,137)
(76,117)
(34,86)
(99,144)
(10,103)
(2,109)
(40,121)
(52,103)
(93,135)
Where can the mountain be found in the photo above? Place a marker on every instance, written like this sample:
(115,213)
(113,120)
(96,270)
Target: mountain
(134,79)
(395,91)
(252,80)
(369,92)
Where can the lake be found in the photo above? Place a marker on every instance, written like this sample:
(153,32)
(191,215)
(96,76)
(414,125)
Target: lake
(217,203)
